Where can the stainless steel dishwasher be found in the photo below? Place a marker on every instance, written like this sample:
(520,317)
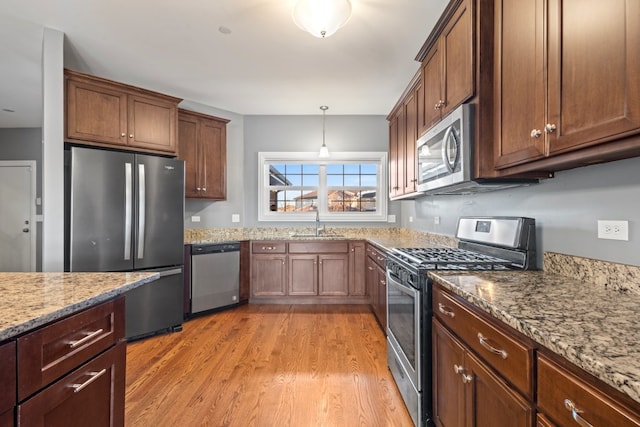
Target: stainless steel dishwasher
(215,276)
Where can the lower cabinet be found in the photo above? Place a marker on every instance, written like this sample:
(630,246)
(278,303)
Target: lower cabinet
(91,395)
(307,270)
(7,383)
(567,398)
(268,275)
(376,283)
(468,392)
(69,373)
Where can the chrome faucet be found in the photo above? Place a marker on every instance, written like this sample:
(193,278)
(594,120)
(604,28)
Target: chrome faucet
(318,224)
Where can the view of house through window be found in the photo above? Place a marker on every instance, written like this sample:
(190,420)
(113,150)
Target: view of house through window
(339,187)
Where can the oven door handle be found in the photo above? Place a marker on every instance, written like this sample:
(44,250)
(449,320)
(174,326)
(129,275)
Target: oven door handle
(395,280)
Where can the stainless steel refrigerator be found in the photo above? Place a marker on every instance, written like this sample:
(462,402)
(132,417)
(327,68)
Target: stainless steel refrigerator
(125,212)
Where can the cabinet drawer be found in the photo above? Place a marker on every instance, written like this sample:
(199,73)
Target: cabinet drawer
(7,377)
(318,247)
(92,395)
(508,355)
(377,255)
(269,247)
(557,386)
(50,352)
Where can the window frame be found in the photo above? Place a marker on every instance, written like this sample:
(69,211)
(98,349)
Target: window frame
(265,159)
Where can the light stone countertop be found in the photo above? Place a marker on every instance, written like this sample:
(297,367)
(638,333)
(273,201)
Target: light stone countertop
(30,300)
(596,327)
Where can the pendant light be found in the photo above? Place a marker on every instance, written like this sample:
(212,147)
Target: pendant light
(321,18)
(324,151)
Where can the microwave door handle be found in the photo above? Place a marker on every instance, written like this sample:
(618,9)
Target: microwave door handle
(449,136)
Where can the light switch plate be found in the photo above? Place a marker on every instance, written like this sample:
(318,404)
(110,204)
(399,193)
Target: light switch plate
(195,218)
(235,218)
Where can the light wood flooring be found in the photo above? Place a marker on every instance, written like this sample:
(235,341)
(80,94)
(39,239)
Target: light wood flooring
(266,365)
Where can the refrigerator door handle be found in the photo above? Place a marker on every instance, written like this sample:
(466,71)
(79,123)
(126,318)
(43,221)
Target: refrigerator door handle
(141,210)
(128,197)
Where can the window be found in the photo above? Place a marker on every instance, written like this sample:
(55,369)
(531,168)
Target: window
(296,186)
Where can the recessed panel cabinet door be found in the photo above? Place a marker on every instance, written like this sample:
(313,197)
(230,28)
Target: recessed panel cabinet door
(520,84)
(152,123)
(333,274)
(214,159)
(96,113)
(188,151)
(269,275)
(448,388)
(594,71)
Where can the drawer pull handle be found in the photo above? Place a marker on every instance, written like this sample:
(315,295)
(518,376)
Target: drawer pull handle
(575,413)
(491,348)
(458,369)
(380,258)
(445,310)
(94,376)
(92,335)
(268,248)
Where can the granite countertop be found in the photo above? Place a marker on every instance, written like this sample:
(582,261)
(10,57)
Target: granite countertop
(30,300)
(596,327)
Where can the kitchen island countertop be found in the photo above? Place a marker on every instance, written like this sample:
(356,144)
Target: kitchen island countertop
(595,327)
(30,300)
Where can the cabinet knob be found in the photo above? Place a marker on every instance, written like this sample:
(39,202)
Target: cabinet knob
(197,188)
(123,134)
(536,133)
(204,188)
(439,105)
(550,128)
(466,378)
(130,135)
(458,369)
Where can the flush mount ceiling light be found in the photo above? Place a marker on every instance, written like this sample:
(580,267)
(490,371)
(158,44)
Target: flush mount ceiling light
(324,151)
(321,18)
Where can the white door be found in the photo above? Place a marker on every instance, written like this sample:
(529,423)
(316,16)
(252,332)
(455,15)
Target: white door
(17,215)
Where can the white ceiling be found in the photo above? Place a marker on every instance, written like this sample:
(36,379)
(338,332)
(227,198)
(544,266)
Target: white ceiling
(267,65)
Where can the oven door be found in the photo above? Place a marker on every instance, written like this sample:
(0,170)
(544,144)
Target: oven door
(403,326)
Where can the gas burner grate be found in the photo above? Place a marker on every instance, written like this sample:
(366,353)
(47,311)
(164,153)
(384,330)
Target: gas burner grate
(450,259)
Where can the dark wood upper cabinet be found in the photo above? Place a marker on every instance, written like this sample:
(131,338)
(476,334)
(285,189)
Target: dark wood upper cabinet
(567,87)
(202,144)
(106,113)
(447,66)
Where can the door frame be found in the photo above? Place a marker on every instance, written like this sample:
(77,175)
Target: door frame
(33,228)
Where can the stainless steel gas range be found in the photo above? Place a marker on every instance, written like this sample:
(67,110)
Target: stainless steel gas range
(485,243)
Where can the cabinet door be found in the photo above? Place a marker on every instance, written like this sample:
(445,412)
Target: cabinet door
(457,43)
(188,151)
(432,71)
(152,123)
(96,113)
(490,401)
(410,136)
(6,419)
(448,388)
(7,379)
(333,277)
(269,275)
(381,307)
(214,159)
(303,275)
(92,395)
(371,277)
(594,79)
(357,285)
(394,186)
(519,82)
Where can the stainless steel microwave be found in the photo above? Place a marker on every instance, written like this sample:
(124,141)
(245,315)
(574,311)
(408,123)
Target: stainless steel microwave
(444,152)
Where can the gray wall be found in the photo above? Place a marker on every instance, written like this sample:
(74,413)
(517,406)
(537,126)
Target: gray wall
(304,133)
(566,209)
(218,214)
(26,144)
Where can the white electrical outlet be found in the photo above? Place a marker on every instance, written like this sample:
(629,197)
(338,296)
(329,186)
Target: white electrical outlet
(614,230)
(235,217)
(391,218)
(195,218)
(410,219)
(436,220)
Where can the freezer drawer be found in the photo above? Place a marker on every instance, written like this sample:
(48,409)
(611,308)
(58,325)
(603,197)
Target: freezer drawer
(156,306)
